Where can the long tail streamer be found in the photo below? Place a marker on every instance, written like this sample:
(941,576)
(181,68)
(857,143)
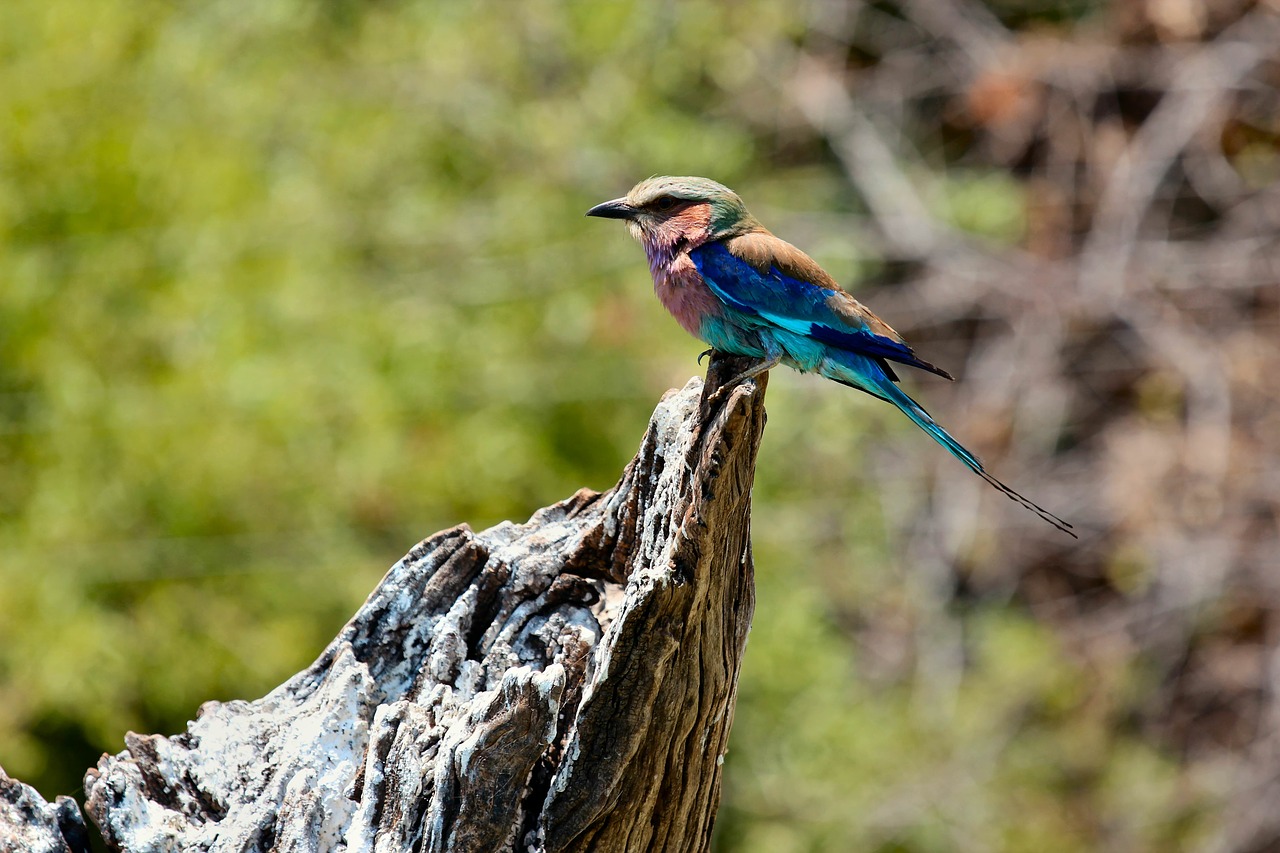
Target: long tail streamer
(886,390)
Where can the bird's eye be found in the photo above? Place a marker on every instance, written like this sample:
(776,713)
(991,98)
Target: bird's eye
(664,203)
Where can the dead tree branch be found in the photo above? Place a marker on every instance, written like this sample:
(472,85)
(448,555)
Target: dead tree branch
(564,684)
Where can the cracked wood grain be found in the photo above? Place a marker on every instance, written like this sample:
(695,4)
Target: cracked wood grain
(565,684)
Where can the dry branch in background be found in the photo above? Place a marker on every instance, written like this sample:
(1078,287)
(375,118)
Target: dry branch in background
(564,684)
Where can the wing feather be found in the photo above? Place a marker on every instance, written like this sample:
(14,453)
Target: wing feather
(765,277)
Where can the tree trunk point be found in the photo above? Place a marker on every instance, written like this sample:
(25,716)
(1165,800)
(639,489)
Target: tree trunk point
(565,684)
(28,824)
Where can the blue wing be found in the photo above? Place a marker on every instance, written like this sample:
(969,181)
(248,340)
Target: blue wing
(836,320)
(798,306)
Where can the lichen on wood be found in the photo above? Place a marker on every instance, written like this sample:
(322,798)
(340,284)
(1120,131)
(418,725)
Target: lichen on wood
(29,824)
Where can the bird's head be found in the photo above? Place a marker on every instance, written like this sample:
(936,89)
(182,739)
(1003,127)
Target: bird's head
(666,212)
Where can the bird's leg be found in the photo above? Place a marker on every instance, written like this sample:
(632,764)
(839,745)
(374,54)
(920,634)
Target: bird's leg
(755,370)
(773,359)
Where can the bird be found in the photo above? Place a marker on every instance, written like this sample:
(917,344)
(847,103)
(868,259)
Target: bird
(732,284)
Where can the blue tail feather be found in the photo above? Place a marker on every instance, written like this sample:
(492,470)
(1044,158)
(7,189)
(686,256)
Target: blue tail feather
(865,375)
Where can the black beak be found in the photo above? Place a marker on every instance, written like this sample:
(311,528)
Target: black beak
(616,209)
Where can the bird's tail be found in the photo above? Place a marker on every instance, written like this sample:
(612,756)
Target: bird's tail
(868,377)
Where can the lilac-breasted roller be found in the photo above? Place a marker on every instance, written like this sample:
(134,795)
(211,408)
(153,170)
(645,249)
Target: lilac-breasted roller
(731,283)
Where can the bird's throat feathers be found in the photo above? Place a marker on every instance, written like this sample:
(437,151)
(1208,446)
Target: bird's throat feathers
(677,235)
(676,280)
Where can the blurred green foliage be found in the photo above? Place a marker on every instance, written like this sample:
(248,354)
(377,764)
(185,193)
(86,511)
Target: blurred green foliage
(286,286)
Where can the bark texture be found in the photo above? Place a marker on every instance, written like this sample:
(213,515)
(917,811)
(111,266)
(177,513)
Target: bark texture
(28,824)
(564,684)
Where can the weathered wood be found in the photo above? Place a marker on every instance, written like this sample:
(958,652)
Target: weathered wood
(565,684)
(28,824)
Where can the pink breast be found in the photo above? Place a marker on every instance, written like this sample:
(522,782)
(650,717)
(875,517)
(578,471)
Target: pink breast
(683,292)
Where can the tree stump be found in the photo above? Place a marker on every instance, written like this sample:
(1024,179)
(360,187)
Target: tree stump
(564,684)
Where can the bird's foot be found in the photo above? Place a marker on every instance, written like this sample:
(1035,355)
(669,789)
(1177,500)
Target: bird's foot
(750,373)
(704,354)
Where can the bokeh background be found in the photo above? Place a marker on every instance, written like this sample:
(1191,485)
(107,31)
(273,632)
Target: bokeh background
(287,285)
